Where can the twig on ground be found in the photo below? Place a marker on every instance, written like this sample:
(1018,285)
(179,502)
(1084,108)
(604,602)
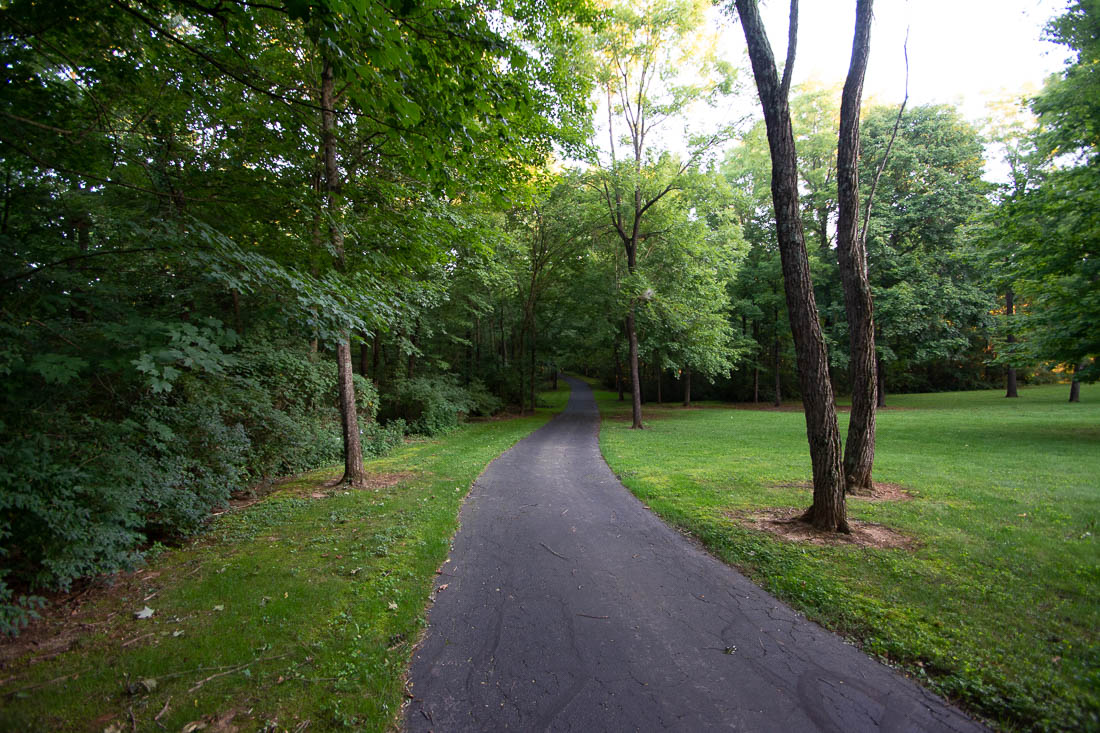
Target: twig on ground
(139,638)
(163,710)
(563,557)
(62,678)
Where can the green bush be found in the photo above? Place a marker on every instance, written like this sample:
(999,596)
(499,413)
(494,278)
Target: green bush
(434,405)
(79,495)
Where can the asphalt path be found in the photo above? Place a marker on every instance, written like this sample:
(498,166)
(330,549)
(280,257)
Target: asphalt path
(567,606)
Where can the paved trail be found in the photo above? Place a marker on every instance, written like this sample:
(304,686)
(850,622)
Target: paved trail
(570,607)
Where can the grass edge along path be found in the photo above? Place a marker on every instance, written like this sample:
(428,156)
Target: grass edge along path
(298,612)
(994,606)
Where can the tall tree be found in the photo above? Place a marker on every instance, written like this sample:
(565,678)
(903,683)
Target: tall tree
(642,49)
(1058,260)
(828,509)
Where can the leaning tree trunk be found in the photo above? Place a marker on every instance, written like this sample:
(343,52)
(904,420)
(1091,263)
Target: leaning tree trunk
(1010,371)
(859,450)
(687,386)
(353,449)
(828,511)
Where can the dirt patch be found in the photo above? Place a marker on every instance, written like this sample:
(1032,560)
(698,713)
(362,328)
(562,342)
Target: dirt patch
(784,524)
(880,492)
(98,605)
(371,482)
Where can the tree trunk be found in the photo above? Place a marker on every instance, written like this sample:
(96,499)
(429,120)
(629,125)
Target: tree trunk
(619,374)
(1010,372)
(353,450)
(828,510)
(635,381)
(364,357)
(236,310)
(374,358)
(519,369)
(477,342)
(533,345)
(1075,385)
(756,365)
(659,371)
(775,366)
(687,386)
(859,449)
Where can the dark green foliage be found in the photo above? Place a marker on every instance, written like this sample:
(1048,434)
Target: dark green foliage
(79,494)
(434,405)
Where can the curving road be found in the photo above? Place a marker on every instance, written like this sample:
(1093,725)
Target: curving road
(570,607)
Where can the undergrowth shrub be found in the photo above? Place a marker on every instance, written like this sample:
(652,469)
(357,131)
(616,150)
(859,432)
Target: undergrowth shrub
(436,404)
(80,495)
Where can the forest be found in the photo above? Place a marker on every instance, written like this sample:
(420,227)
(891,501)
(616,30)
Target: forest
(244,239)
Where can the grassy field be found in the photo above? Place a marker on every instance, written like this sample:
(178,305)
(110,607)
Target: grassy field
(297,612)
(995,605)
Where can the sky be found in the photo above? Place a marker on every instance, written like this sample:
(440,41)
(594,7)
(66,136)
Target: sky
(963,52)
(967,53)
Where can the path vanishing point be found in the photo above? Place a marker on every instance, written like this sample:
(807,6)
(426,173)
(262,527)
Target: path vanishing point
(568,606)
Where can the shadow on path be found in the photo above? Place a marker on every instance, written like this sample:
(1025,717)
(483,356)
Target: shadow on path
(570,607)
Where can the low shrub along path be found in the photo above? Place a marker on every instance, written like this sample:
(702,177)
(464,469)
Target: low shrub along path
(566,605)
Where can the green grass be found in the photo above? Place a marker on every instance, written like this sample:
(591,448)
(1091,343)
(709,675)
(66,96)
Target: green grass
(997,607)
(295,609)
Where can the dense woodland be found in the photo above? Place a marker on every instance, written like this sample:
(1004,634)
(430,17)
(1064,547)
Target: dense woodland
(243,239)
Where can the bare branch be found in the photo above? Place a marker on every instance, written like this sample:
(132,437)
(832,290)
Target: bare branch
(889,146)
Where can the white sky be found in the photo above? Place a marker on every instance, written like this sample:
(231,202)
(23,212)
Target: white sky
(968,53)
(963,52)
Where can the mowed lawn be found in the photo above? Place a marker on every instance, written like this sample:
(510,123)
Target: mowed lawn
(996,604)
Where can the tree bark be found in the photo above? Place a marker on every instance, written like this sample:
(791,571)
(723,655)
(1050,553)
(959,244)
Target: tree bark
(775,368)
(364,357)
(534,335)
(353,450)
(828,511)
(756,366)
(687,386)
(635,381)
(1010,371)
(1075,385)
(374,358)
(618,373)
(859,449)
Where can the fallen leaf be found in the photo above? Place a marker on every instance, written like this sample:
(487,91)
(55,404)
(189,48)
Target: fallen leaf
(144,613)
(177,633)
(444,586)
(392,606)
(219,607)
